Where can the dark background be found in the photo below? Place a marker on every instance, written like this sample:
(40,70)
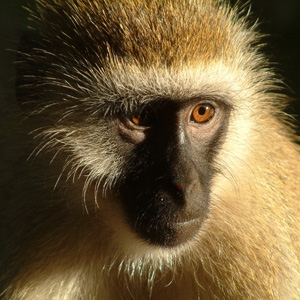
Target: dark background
(278,18)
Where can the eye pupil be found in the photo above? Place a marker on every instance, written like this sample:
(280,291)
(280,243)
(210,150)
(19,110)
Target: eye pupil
(202,113)
(202,110)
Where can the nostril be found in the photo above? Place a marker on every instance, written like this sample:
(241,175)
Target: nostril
(178,187)
(178,193)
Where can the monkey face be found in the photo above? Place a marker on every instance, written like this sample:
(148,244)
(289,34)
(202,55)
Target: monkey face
(123,108)
(169,148)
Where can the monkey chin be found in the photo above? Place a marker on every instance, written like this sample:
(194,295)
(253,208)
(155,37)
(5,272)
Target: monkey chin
(134,246)
(160,234)
(171,233)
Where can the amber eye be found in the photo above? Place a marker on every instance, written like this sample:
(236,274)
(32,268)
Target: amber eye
(136,120)
(145,118)
(202,113)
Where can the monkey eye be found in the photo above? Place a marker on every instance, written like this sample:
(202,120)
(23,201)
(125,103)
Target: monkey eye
(202,113)
(145,118)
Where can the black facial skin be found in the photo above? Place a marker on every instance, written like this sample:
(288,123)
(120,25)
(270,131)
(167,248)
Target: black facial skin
(166,188)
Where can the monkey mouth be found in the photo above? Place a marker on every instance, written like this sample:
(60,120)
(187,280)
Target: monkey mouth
(186,230)
(169,232)
(187,222)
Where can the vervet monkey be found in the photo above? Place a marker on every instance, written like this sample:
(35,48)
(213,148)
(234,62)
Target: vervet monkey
(156,162)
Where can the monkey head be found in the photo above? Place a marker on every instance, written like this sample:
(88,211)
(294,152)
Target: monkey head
(136,98)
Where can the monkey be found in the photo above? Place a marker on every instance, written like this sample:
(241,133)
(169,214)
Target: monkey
(153,157)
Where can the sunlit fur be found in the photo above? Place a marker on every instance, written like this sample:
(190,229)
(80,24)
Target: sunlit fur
(67,238)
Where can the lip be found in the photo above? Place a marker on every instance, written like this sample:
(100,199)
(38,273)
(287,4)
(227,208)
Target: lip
(187,222)
(186,229)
